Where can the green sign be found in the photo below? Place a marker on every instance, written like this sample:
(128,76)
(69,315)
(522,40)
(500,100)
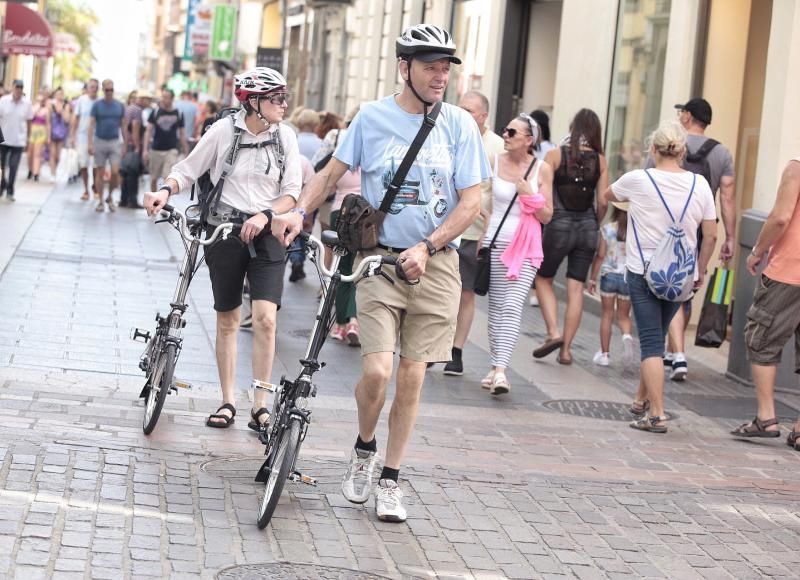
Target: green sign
(223,32)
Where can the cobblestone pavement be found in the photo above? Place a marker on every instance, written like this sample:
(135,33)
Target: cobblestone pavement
(496,488)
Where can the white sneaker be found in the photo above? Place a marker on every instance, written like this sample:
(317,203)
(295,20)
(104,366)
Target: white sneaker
(679,370)
(601,358)
(627,350)
(534,300)
(357,482)
(389,501)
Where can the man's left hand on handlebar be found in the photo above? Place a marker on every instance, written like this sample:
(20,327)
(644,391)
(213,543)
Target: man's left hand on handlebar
(286,226)
(155,200)
(414,260)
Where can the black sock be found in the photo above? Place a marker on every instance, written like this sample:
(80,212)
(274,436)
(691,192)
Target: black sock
(371,446)
(456,353)
(389,473)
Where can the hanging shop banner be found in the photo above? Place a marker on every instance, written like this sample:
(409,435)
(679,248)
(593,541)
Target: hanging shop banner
(26,32)
(223,32)
(200,34)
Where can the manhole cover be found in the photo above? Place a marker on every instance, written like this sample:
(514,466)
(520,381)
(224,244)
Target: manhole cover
(594,409)
(290,571)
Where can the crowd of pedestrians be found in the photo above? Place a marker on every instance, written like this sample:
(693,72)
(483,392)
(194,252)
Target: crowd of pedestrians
(508,210)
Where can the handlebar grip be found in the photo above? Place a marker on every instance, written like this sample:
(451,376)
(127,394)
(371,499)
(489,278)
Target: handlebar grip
(168,208)
(389,260)
(304,235)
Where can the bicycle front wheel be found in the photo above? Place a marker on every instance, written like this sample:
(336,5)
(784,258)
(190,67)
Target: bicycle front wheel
(160,384)
(280,469)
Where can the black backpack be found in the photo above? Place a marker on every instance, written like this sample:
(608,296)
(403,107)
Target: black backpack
(208,193)
(697,162)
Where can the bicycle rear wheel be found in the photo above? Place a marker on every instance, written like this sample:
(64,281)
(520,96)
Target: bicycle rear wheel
(160,383)
(280,468)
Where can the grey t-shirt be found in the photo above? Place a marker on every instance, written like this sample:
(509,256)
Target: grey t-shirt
(720,161)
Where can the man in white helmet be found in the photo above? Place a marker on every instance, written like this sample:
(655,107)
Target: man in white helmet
(265,179)
(441,198)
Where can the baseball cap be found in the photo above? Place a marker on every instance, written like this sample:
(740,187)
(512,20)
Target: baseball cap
(432,56)
(18,83)
(699,109)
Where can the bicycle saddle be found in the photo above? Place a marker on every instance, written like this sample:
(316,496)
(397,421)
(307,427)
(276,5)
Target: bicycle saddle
(331,238)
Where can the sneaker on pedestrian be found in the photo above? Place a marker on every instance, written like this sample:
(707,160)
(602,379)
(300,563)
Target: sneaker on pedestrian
(100,207)
(338,332)
(454,368)
(357,481)
(247,322)
(533,300)
(111,207)
(351,333)
(627,350)
(679,370)
(601,358)
(668,358)
(389,501)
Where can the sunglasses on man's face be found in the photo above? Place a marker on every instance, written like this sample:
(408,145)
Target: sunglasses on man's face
(111,90)
(512,132)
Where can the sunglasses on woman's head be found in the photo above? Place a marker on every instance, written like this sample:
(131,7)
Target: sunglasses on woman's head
(512,132)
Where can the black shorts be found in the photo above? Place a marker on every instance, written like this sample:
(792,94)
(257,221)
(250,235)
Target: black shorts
(572,238)
(229,261)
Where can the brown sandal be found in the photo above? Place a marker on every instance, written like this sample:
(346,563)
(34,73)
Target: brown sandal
(255,418)
(639,408)
(757,428)
(793,440)
(650,423)
(549,346)
(224,421)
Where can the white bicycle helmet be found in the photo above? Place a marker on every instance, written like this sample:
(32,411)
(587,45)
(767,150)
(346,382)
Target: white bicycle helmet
(426,42)
(256,82)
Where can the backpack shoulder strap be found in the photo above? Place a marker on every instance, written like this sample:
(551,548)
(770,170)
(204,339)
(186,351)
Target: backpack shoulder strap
(638,245)
(660,195)
(688,199)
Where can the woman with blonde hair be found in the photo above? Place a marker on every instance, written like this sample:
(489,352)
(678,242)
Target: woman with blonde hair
(659,199)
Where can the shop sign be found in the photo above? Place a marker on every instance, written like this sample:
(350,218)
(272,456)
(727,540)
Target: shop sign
(223,31)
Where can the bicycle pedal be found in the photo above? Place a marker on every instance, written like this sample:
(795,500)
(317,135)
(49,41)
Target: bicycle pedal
(263,386)
(181,384)
(263,436)
(296,477)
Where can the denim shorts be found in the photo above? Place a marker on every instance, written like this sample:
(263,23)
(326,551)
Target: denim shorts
(613,285)
(652,316)
(570,238)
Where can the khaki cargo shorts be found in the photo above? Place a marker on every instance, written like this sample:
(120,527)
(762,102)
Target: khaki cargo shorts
(421,318)
(771,320)
(161,162)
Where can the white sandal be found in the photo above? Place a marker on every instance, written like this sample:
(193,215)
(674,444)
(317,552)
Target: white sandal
(486,382)
(500,385)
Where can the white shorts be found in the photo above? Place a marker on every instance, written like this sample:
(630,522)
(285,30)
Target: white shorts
(84,159)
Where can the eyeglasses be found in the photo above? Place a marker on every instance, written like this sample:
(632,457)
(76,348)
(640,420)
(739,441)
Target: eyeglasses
(512,132)
(111,90)
(278,99)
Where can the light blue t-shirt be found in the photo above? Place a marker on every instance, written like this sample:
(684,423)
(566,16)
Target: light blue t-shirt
(451,158)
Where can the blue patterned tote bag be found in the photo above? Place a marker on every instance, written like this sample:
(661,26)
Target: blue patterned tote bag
(670,271)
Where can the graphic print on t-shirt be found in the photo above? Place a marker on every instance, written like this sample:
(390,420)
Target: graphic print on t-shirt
(432,162)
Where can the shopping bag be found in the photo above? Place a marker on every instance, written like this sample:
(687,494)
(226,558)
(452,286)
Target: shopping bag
(713,324)
(70,155)
(63,169)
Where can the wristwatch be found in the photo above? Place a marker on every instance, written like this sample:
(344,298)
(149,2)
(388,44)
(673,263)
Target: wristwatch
(431,248)
(299,210)
(166,188)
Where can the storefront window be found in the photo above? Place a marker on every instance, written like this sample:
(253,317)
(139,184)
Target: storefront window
(471,32)
(636,83)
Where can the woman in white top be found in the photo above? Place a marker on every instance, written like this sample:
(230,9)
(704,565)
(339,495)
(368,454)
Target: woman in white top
(265,178)
(507,296)
(649,222)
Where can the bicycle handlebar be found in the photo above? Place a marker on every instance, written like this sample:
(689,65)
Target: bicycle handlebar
(180,225)
(358,271)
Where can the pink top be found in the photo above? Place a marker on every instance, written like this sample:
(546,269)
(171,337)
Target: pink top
(350,182)
(527,241)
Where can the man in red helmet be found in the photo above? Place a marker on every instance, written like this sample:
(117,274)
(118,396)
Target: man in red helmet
(261,177)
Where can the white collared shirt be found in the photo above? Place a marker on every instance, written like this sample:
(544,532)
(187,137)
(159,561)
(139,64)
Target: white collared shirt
(249,187)
(14,117)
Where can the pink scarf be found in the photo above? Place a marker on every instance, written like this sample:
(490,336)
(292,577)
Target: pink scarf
(527,241)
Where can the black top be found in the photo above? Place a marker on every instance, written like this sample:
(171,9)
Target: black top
(167,123)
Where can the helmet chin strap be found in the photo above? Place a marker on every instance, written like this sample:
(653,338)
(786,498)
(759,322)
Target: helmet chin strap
(425,104)
(258,113)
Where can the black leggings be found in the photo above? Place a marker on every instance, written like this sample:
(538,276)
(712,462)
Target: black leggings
(10,155)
